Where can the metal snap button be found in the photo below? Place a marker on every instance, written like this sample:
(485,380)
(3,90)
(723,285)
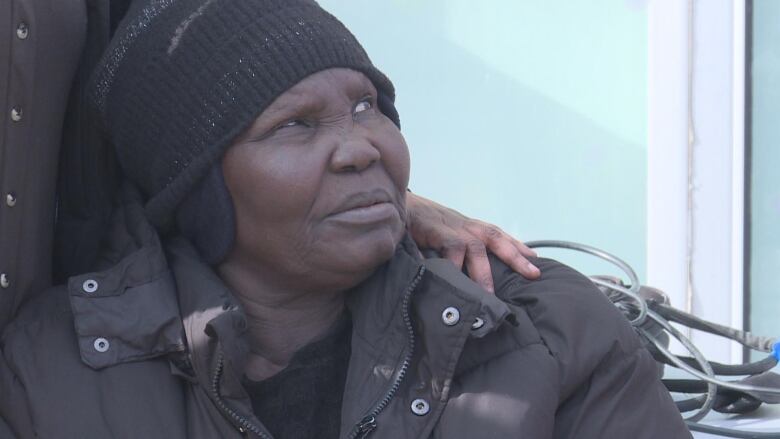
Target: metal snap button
(101,344)
(16,114)
(420,407)
(90,286)
(4,282)
(450,316)
(478,323)
(22,31)
(10,199)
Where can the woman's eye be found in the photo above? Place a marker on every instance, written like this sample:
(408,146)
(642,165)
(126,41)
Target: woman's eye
(363,105)
(292,123)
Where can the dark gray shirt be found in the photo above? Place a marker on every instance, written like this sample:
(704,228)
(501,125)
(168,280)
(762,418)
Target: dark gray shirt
(40,45)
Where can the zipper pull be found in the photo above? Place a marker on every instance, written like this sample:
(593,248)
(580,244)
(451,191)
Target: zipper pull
(366,426)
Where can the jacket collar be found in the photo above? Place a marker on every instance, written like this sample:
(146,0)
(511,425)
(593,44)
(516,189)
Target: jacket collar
(128,311)
(381,340)
(375,305)
(148,303)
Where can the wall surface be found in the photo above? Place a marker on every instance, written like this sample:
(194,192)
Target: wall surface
(765,176)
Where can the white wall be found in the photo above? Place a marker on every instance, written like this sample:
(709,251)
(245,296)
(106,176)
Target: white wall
(765,184)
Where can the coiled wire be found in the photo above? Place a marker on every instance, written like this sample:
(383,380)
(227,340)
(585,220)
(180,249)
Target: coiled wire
(633,290)
(704,371)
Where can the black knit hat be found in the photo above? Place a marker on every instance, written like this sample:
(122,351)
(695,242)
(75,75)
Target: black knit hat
(182,79)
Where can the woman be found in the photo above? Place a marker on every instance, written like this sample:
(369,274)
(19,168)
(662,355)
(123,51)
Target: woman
(259,281)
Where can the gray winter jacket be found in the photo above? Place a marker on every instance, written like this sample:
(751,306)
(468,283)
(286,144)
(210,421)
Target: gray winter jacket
(151,346)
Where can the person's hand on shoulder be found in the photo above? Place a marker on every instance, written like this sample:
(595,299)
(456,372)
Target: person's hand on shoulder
(467,241)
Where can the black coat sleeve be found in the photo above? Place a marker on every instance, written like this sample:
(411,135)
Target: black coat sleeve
(609,385)
(15,419)
(622,398)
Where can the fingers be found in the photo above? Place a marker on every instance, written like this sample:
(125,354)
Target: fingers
(478,265)
(525,250)
(466,241)
(473,254)
(512,254)
(453,249)
(511,251)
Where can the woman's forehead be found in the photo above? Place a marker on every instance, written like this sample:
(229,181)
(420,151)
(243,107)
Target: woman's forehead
(312,94)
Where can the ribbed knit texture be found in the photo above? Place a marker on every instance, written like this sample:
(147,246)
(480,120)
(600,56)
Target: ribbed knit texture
(183,78)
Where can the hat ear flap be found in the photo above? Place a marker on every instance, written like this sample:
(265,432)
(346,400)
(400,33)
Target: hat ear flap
(387,107)
(206,217)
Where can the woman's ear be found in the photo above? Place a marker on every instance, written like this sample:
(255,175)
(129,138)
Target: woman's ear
(387,107)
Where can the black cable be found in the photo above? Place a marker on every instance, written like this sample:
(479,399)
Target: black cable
(689,405)
(685,385)
(726,401)
(657,325)
(756,342)
(754,368)
(688,386)
(729,432)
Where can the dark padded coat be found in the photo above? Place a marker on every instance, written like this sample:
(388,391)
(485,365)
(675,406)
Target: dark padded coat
(151,347)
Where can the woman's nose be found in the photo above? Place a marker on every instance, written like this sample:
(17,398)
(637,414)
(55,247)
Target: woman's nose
(354,154)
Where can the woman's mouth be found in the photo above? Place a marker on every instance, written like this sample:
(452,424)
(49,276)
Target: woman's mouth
(366,214)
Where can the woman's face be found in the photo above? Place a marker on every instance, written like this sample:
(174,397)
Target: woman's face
(318,183)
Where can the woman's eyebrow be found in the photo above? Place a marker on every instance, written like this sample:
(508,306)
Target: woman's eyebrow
(293,105)
(301,103)
(358,89)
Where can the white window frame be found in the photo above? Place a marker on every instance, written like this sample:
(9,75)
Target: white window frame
(696,82)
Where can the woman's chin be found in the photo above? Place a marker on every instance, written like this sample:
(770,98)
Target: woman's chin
(357,258)
(373,250)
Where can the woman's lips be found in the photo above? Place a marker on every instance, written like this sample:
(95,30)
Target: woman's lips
(374,213)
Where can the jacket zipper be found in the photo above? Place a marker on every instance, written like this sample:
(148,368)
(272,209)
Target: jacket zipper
(368,424)
(244,424)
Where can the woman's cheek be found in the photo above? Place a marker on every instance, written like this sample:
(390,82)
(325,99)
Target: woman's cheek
(399,162)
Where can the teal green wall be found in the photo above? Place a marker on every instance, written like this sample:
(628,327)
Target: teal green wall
(765,175)
(528,114)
